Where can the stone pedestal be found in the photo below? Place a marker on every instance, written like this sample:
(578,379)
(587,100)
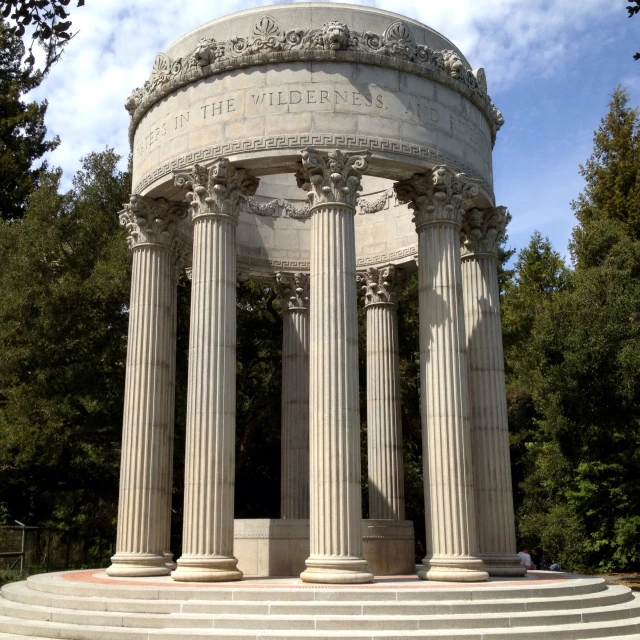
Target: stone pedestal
(332,181)
(266,547)
(438,200)
(144,509)
(216,195)
(482,232)
(384,425)
(293,291)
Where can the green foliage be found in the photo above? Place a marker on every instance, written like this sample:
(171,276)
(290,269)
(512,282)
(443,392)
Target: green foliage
(22,130)
(48,21)
(63,326)
(573,356)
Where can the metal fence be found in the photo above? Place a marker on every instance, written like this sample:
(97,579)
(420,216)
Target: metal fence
(35,549)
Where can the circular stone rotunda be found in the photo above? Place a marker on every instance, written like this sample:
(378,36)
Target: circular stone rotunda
(328,149)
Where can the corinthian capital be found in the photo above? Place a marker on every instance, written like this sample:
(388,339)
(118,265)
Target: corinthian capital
(381,286)
(441,196)
(220,189)
(293,290)
(482,231)
(152,221)
(332,177)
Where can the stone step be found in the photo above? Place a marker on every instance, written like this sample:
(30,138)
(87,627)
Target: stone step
(296,591)
(22,593)
(328,621)
(36,629)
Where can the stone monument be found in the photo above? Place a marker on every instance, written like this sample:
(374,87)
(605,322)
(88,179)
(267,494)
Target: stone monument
(328,149)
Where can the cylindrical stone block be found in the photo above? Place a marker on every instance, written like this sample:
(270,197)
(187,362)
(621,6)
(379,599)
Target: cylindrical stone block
(145,475)
(207,543)
(295,414)
(449,500)
(488,413)
(384,425)
(335,494)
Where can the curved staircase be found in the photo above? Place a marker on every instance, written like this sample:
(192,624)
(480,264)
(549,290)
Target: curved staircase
(86,606)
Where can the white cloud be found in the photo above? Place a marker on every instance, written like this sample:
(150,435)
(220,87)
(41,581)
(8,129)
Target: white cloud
(117,41)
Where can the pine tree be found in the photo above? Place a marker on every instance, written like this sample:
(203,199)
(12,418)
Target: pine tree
(22,131)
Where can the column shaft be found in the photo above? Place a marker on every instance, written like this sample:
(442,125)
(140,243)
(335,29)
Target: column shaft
(384,425)
(450,512)
(336,503)
(488,413)
(295,414)
(207,544)
(145,475)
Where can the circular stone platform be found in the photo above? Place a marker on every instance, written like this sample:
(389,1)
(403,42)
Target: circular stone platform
(88,605)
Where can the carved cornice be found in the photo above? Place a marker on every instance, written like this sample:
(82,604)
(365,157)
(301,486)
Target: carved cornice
(268,43)
(153,221)
(441,196)
(381,286)
(293,290)
(482,231)
(218,190)
(332,177)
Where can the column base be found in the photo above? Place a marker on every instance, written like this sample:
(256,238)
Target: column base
(336,570)
(453,569)
(507,565)
(206,569)
(169,561)
(138,565)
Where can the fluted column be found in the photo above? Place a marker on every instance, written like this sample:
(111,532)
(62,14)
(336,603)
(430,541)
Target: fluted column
(293,291)
(333,181)
(482,232)
(384,425)
(438,200)
(144,511)
(216,196)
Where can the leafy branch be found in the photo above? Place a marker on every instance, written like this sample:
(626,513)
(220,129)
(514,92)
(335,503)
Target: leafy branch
(49,19)
(633,10)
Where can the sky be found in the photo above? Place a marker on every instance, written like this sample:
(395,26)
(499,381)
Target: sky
(551,67)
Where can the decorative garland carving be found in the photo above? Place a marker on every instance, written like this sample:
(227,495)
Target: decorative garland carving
(482,231)
(277,209)
(443,195)
(374,206)
(268,42)
(293,290)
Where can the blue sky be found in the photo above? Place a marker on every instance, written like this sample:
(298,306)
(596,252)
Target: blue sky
(551,66)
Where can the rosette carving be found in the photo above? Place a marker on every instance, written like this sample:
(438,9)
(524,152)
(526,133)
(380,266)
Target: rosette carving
(443,195)
(381,286)
(399,41)
(293,290)
(483,230)
(220,189)
(152,221)
(332,177)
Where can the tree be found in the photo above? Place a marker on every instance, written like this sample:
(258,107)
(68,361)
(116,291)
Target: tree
(22,130)
(51,29)
(64,290)
(581,490)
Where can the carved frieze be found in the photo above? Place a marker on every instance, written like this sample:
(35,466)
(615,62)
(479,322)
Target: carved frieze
(293,290)
(153,221)
(277,209)
(333,176)
(482,231)
(442,195)
(381,286)
(220,189)
(267,38)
